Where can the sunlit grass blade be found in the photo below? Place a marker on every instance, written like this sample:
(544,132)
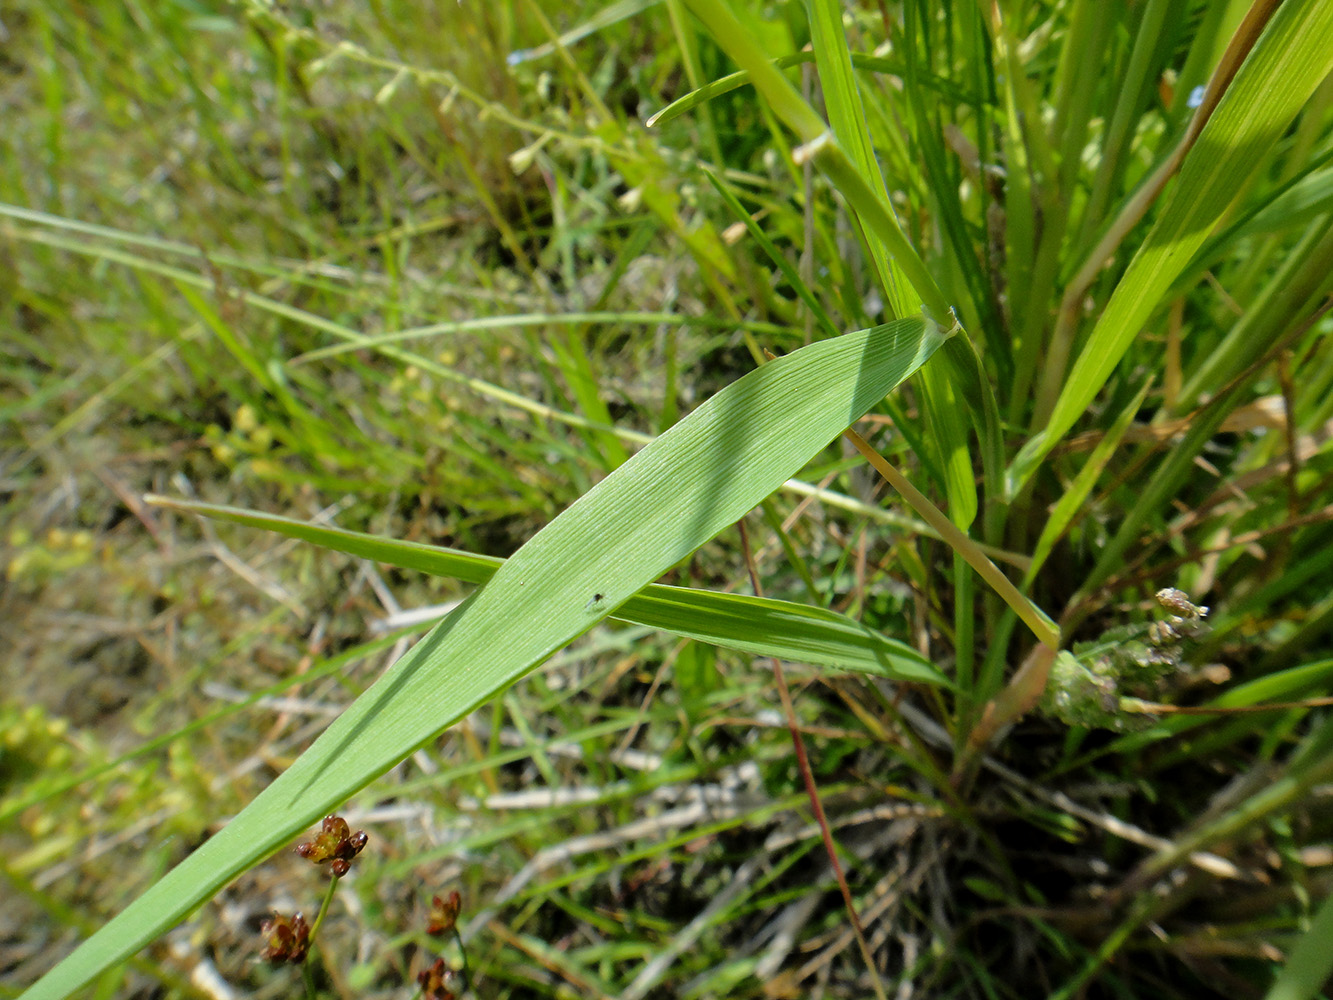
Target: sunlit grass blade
(652,512)
(842,101)
(357,341)
(760,626)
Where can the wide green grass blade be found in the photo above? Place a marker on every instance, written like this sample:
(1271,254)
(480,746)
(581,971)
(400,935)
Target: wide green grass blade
(842,99)
(1290,59)
(760,626)
(655,510)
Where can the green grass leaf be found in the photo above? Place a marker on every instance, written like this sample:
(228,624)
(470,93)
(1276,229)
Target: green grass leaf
(652,512)
(761,626)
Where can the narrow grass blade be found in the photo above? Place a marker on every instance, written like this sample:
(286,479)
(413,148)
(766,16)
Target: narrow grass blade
(842,102)
(842,99)
(602,19)
(732,81)
(1280,687)
(773,254)
(1067,506)
(1046,631)
(1287,294)
(656,509)
(761,626)
(1298,202)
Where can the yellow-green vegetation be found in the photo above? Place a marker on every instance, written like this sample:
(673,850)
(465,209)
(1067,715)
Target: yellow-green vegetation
(318,314)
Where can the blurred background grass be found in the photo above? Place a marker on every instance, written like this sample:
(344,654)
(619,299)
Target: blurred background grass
(197,195)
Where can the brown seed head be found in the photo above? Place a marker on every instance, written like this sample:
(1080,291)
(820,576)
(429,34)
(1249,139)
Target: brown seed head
(335,845)
(444,914)
(438,982)
(286,939)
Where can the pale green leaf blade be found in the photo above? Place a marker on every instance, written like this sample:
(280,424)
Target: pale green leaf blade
(726,84)
(1305,199)
(652,512)
(760,626)
(842,100)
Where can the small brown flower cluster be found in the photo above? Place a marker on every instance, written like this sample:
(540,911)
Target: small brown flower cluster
(439,982)
(444,914)
(286,939)
(335,845)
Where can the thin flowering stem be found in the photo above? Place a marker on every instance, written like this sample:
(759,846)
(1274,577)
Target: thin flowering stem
(466,972)
(812,789)
(290,939)
(306,972)
(438,981)
(324,906)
